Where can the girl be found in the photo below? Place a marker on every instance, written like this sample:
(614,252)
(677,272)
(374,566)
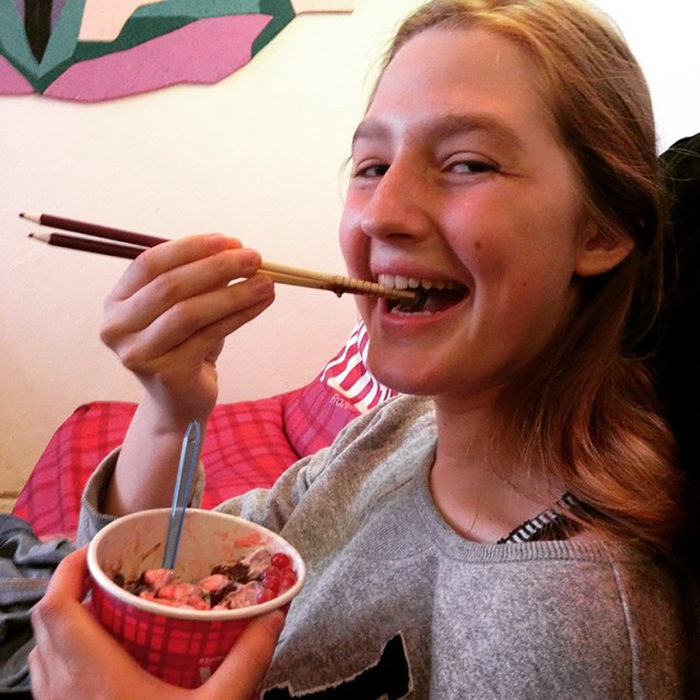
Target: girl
(508,527)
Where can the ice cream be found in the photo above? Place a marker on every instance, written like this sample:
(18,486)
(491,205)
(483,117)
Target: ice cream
(255,578)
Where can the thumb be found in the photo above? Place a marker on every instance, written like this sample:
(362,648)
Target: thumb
(245,665)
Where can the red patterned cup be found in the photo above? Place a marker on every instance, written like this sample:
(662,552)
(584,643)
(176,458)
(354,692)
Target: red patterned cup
(179,645)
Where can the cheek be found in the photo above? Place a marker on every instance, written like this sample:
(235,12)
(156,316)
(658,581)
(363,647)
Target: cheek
(518,247)
(484,254)
(480,232)
(345,241)
(519,278)
(353,245)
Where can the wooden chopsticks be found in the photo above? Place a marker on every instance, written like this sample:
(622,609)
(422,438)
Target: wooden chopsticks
(106,240)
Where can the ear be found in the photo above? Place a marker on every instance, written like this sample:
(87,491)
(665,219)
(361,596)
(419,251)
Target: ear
(599,253)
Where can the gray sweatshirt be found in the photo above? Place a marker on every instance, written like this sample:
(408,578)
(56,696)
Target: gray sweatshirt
(398,605)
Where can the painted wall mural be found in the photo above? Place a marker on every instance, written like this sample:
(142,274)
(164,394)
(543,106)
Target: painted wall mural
(93,50)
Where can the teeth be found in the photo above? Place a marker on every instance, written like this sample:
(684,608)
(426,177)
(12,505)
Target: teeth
(402,282)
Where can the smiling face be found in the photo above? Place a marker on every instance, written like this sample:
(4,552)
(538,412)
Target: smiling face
(459,180)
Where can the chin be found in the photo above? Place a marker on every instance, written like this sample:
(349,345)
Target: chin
(404,377)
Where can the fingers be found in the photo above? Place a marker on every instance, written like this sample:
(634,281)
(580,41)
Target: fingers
(180,292)
(167,274)
(73,579)
(74,657)
(59,604)
(221,312)
(65,591)
(193,327)
(243,669)
(188,280)
(169,256)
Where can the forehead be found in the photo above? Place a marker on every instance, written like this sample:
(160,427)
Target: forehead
(461,79)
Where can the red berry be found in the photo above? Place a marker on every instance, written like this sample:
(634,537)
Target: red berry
(289,578)
(280,560)
(272,579)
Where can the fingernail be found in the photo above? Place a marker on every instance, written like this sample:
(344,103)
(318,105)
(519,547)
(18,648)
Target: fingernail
(261,284)
(250,260)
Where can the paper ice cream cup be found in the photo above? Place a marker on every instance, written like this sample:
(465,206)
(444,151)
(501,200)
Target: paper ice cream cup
(179,645)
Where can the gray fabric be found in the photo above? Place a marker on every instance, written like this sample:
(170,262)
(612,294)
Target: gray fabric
(399,605)
(26,564)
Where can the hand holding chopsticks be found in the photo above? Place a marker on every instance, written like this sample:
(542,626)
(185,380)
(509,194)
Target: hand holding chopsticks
(100,239)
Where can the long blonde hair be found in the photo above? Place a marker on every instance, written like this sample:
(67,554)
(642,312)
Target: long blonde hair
(585,410)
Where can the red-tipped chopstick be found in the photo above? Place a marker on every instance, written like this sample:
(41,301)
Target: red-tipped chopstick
(89,245)
(136,243)
(95,230)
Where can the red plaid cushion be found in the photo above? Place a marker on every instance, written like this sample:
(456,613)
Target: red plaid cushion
(245,447)
(50,499)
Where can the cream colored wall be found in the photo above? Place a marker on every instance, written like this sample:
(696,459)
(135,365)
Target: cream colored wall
(257,155)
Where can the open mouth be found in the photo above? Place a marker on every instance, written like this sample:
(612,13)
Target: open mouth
(432,296)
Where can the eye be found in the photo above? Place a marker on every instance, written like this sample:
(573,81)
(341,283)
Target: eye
(471,166)
(371,170)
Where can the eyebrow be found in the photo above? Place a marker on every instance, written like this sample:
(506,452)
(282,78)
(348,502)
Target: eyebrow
(447,125)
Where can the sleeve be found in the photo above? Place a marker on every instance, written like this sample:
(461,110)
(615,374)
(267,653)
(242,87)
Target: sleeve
(91,519)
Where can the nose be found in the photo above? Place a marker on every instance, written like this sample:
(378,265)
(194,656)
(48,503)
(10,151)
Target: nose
(398,206)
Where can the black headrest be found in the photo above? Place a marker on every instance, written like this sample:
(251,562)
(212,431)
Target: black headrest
(676,361)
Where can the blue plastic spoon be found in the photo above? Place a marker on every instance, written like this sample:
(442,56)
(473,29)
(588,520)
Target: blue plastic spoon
(189,456)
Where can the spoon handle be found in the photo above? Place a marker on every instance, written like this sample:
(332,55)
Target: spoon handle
(189,456)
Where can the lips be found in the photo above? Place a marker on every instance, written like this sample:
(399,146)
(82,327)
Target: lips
(433,296)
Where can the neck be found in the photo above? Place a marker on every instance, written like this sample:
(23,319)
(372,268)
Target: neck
(482,490)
